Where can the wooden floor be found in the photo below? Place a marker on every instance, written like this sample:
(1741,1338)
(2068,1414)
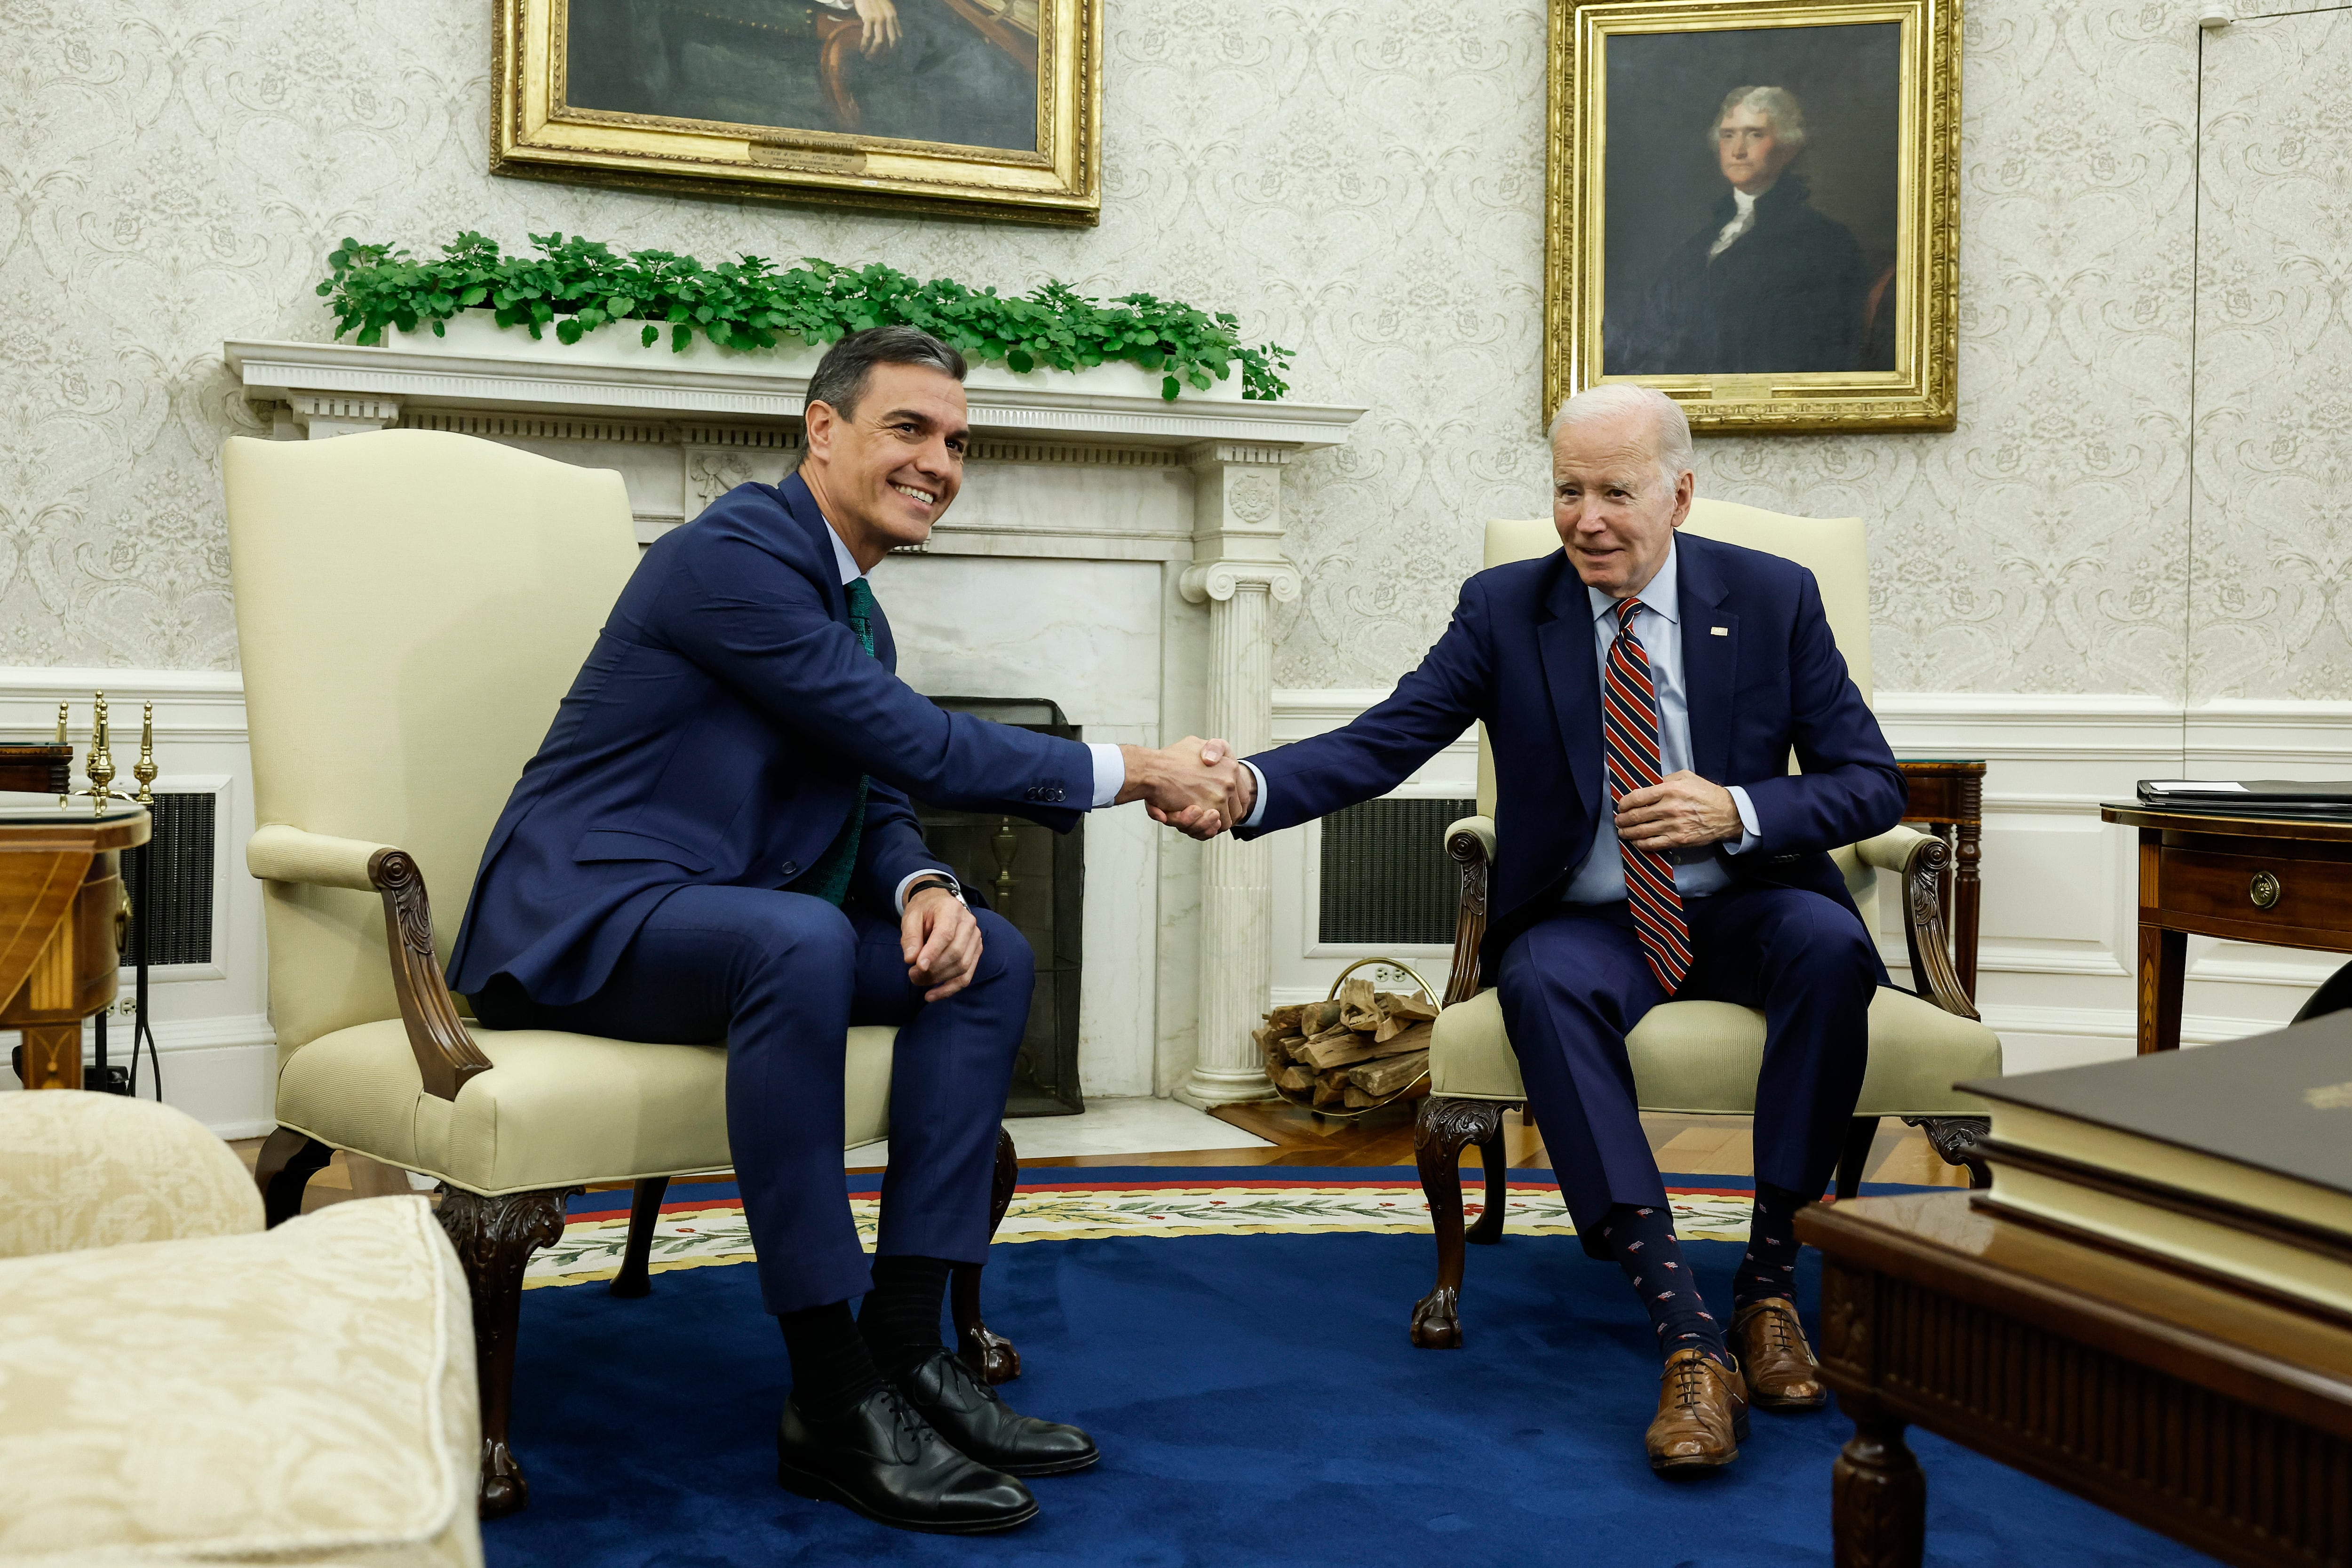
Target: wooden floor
(1685,1145)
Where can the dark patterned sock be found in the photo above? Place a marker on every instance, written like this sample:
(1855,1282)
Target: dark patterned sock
(1643,1242)
(832,1368)
(900,1319)
(1771,1267)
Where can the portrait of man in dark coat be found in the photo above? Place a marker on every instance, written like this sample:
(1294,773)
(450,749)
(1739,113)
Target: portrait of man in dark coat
(1768,284)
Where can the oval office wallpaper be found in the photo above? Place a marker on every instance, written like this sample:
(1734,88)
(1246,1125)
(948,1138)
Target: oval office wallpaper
(1175,782)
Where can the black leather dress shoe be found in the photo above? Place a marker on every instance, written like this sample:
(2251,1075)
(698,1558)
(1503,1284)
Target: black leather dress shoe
(883,1459)
(970,1414)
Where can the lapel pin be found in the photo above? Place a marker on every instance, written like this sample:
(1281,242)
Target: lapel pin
(1718,631)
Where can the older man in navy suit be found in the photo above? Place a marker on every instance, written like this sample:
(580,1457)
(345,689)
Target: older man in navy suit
(715,842)
(1643,693)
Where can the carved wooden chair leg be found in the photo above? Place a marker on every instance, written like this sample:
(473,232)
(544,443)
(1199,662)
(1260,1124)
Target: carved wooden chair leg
(989,1354)
(495,1238)
(1439,1134)
(1955,1138)
(283,1169)
(1856,1156)
(635,1279)
(1492,1161)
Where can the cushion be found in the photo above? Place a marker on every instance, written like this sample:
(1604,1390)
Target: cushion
(1702,1058)
(98,1170)
(304,1394)
(555,1110)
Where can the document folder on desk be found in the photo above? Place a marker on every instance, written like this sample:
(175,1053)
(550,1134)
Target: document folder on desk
(2289,798)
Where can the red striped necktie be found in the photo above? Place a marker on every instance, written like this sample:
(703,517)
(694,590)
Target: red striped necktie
(1629,736)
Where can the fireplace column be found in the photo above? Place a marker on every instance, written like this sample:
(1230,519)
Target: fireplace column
(1239,571)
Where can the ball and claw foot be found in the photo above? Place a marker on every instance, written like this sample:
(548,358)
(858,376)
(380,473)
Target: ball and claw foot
(991,1356)
(503,1489)
(1435,1326)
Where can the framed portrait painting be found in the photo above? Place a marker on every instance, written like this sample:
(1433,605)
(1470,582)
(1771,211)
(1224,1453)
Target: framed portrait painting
(1753,207)
(967,108)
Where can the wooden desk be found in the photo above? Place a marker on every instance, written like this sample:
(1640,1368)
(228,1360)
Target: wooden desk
(2246,878)
(60,893)
(1947,794)
(2223,1420)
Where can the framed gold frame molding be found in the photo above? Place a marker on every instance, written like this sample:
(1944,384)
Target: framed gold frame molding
(1767,281)
(612,92)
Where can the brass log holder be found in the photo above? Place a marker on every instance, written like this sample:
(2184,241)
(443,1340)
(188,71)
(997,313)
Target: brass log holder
(99,769)
(1291,1097)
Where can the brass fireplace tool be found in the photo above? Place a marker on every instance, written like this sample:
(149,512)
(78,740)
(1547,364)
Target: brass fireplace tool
(100,768)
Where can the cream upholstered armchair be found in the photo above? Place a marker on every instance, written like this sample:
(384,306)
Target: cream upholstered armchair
(1702,1058)
(411,606)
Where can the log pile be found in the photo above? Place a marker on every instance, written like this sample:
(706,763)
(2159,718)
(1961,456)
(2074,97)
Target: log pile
(1361,1049)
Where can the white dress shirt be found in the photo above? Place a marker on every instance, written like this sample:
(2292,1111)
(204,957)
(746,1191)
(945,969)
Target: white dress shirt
(1601,878)
(1110,767)
(1741,222)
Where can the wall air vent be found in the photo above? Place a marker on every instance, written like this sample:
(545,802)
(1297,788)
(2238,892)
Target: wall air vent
(178,912)
(1387,880)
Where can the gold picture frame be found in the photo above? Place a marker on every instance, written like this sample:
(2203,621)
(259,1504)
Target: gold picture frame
(678,96)
(1848,318)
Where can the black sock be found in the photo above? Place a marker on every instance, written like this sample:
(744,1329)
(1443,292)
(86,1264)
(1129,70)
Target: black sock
(900,1319)
(1771,1267)
(1643,1242)
(832,1368)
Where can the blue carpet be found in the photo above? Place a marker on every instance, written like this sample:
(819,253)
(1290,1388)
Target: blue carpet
(1258,1402)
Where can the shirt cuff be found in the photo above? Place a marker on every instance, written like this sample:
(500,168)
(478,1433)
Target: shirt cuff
(1748,834)
(1257,812)
(1110,774)
(954,886)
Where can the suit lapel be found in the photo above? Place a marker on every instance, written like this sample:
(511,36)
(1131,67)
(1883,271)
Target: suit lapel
(1710,662)
(802,509)
(1572,670)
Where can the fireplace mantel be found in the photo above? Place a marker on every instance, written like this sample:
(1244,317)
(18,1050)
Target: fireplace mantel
(1113,550)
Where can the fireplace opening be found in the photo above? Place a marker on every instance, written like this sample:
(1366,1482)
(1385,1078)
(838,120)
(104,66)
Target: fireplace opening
(1035,878)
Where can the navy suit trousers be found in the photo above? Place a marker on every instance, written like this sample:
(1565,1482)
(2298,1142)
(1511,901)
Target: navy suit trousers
(780,977)
(1574,985)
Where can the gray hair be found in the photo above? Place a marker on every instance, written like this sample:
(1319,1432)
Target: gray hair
(1670,434)
(841,376)
(1776,104)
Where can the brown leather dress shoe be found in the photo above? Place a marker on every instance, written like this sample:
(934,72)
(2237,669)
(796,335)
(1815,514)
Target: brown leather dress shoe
(1702,1415)
(1778,1364)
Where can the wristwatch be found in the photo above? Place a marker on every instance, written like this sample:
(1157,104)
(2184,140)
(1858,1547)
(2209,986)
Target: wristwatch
(933,880)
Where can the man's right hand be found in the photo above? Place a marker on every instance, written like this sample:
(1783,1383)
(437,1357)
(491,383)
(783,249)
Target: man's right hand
(1194,785)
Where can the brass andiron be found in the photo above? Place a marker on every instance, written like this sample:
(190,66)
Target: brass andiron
(144,770)
(61,726)
(1006,845)
(99,769)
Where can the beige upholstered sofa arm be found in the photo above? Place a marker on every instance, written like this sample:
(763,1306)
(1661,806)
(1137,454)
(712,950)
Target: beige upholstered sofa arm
(276,853)
(1891,850)
(447,1056)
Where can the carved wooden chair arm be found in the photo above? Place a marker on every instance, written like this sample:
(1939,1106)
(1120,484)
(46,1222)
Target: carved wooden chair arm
(447,1056)
(1470,843)
(1921,859)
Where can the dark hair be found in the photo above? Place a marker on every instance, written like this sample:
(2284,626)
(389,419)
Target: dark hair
(841,376)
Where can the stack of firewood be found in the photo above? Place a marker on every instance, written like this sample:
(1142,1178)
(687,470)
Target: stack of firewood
(1361,1049)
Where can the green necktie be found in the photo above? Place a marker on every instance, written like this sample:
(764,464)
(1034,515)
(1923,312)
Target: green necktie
(829,877)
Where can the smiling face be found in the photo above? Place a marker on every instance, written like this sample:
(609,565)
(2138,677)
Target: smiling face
(1615,512)
(1751,151)
(885,475)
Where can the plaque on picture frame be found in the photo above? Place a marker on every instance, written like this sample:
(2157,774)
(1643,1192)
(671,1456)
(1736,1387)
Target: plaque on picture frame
(962,107)
(1753,206)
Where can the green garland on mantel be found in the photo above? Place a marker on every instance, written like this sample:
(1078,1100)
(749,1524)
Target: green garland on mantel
(581,284)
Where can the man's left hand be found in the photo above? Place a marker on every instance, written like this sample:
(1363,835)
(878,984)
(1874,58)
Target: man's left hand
(1677,812)
(940,940)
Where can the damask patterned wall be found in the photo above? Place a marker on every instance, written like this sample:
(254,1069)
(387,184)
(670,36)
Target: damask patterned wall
(1361,179)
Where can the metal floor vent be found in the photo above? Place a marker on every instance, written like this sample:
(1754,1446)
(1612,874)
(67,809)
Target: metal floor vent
(180,898)
(1386,876)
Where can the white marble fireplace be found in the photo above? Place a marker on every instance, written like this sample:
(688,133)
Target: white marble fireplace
(1111,552)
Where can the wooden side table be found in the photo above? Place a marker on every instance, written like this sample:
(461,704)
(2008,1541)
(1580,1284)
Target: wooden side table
(2221,1418)
(36,768)
(61,901)
(1948,796)
(2247,878)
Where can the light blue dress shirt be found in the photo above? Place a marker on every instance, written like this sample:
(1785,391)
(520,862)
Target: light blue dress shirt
(1601,878)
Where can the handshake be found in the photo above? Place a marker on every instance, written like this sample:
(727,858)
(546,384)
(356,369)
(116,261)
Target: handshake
(1197,786)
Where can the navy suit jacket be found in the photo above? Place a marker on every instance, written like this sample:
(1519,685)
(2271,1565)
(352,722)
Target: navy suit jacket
(716,735)
(1518,656)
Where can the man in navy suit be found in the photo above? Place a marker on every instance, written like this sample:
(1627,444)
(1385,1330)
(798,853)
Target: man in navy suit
(715,842)
(1643,693)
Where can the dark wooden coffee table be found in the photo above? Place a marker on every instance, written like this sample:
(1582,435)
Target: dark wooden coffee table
(2221,1418)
